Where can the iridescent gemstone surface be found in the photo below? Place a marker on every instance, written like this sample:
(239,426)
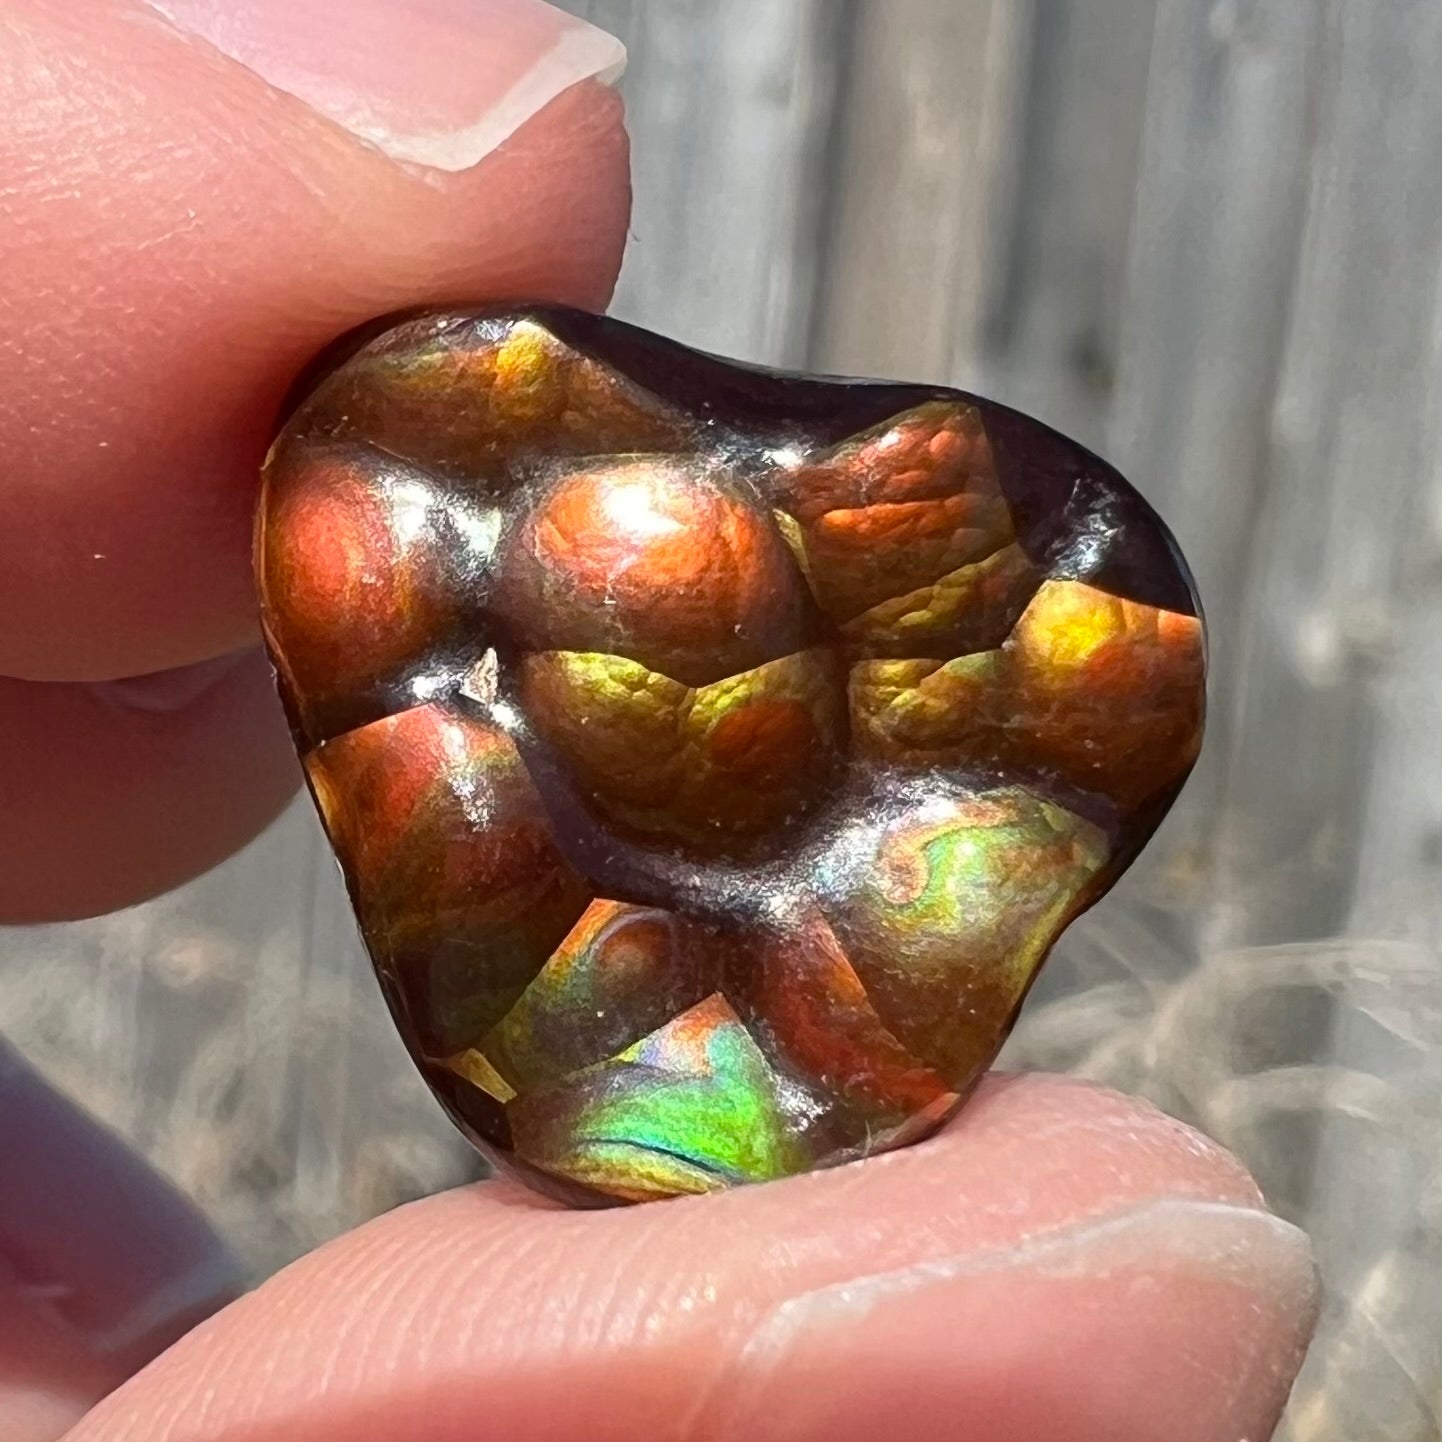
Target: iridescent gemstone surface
(713,756)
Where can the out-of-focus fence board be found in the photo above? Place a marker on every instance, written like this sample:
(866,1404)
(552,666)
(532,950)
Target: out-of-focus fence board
(1346,476)
(1212,256)
(727,231)
(920,155)
(1055,285)
(1205,239)
(1338,644)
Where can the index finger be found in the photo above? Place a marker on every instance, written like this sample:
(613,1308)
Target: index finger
(199,201)
(203,194)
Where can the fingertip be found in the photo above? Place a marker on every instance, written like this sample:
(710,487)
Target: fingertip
(430,83)
(1106,1140)
(1178,1319)
(134,449)
(1021,1238)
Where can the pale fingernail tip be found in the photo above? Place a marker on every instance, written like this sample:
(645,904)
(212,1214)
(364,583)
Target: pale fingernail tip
(436,84)
(1161,1249)
(1221,1240)
(578,54)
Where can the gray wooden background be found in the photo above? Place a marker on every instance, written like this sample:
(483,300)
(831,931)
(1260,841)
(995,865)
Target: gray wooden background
(1202,237)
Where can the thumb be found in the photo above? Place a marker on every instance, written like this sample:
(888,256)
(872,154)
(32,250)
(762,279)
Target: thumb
(1060,1265)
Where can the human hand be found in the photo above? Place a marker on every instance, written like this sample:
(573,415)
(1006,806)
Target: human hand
(181,233)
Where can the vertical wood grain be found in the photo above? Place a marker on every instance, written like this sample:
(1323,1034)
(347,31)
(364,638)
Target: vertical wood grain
(732,111)
(922,161)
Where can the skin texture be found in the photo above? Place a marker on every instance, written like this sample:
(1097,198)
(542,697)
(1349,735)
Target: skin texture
(731,1317)
(177,237)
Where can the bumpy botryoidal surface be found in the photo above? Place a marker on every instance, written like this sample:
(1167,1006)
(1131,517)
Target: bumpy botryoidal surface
(713,756)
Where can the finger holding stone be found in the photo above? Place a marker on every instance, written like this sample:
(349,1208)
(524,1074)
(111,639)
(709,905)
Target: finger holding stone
(1060,1265)
(161,297)
(207,194)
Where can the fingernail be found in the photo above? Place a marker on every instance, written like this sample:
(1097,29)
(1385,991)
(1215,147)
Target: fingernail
(1177,1319)
(438,83)
(172,690)
(93,1241)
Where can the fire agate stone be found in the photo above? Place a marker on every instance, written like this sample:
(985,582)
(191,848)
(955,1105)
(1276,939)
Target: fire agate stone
(712,755)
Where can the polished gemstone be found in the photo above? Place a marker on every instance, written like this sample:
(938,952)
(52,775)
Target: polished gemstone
(713,756)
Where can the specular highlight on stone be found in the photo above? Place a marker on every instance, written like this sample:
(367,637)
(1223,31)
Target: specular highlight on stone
(713,756)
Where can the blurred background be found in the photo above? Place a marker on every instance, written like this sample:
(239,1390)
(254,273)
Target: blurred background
(1206,240)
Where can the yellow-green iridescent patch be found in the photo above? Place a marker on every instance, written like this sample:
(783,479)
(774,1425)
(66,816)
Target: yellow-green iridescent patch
(709,766)
(691,1108)
(622,972)
(970,609)
(476,403)
(950,909)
